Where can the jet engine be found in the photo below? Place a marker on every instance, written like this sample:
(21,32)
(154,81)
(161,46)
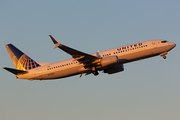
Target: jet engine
(111,60)
(115,69)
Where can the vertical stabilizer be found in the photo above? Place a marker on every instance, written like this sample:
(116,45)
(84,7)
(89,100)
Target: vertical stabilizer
(20,60)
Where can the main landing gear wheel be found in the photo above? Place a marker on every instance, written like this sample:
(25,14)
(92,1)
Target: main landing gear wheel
(94,71)
(164,57)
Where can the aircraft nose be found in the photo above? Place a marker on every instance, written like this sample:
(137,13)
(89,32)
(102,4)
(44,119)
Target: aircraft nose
(172,45)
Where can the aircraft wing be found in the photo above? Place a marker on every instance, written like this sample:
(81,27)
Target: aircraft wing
(87,59)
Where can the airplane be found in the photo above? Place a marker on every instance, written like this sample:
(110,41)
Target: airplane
(109,61)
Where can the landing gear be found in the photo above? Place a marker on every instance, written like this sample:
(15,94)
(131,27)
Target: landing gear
(94,71)
(164,57)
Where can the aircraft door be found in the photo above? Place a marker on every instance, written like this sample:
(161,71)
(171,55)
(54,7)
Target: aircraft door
(154,44)
(40,71)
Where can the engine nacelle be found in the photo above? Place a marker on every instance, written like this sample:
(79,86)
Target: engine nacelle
(115,69)
(111,60)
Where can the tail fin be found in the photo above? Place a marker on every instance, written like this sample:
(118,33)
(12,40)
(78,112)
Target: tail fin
(20,60)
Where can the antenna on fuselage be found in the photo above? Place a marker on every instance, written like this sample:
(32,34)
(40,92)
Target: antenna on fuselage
(97,54)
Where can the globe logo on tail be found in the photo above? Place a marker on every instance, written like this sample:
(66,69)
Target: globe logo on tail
(26,63)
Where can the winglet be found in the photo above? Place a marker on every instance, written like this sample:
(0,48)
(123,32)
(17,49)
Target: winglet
(56,43)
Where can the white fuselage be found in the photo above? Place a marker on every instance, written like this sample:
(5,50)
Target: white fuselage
(125,54)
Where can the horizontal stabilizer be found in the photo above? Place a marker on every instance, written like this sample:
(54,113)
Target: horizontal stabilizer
(15,71)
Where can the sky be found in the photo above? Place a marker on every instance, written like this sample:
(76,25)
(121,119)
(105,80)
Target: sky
(146,90)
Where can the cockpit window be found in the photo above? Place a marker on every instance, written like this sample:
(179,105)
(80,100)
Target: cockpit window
(164,41)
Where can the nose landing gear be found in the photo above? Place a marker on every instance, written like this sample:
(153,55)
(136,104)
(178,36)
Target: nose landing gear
(164,55)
